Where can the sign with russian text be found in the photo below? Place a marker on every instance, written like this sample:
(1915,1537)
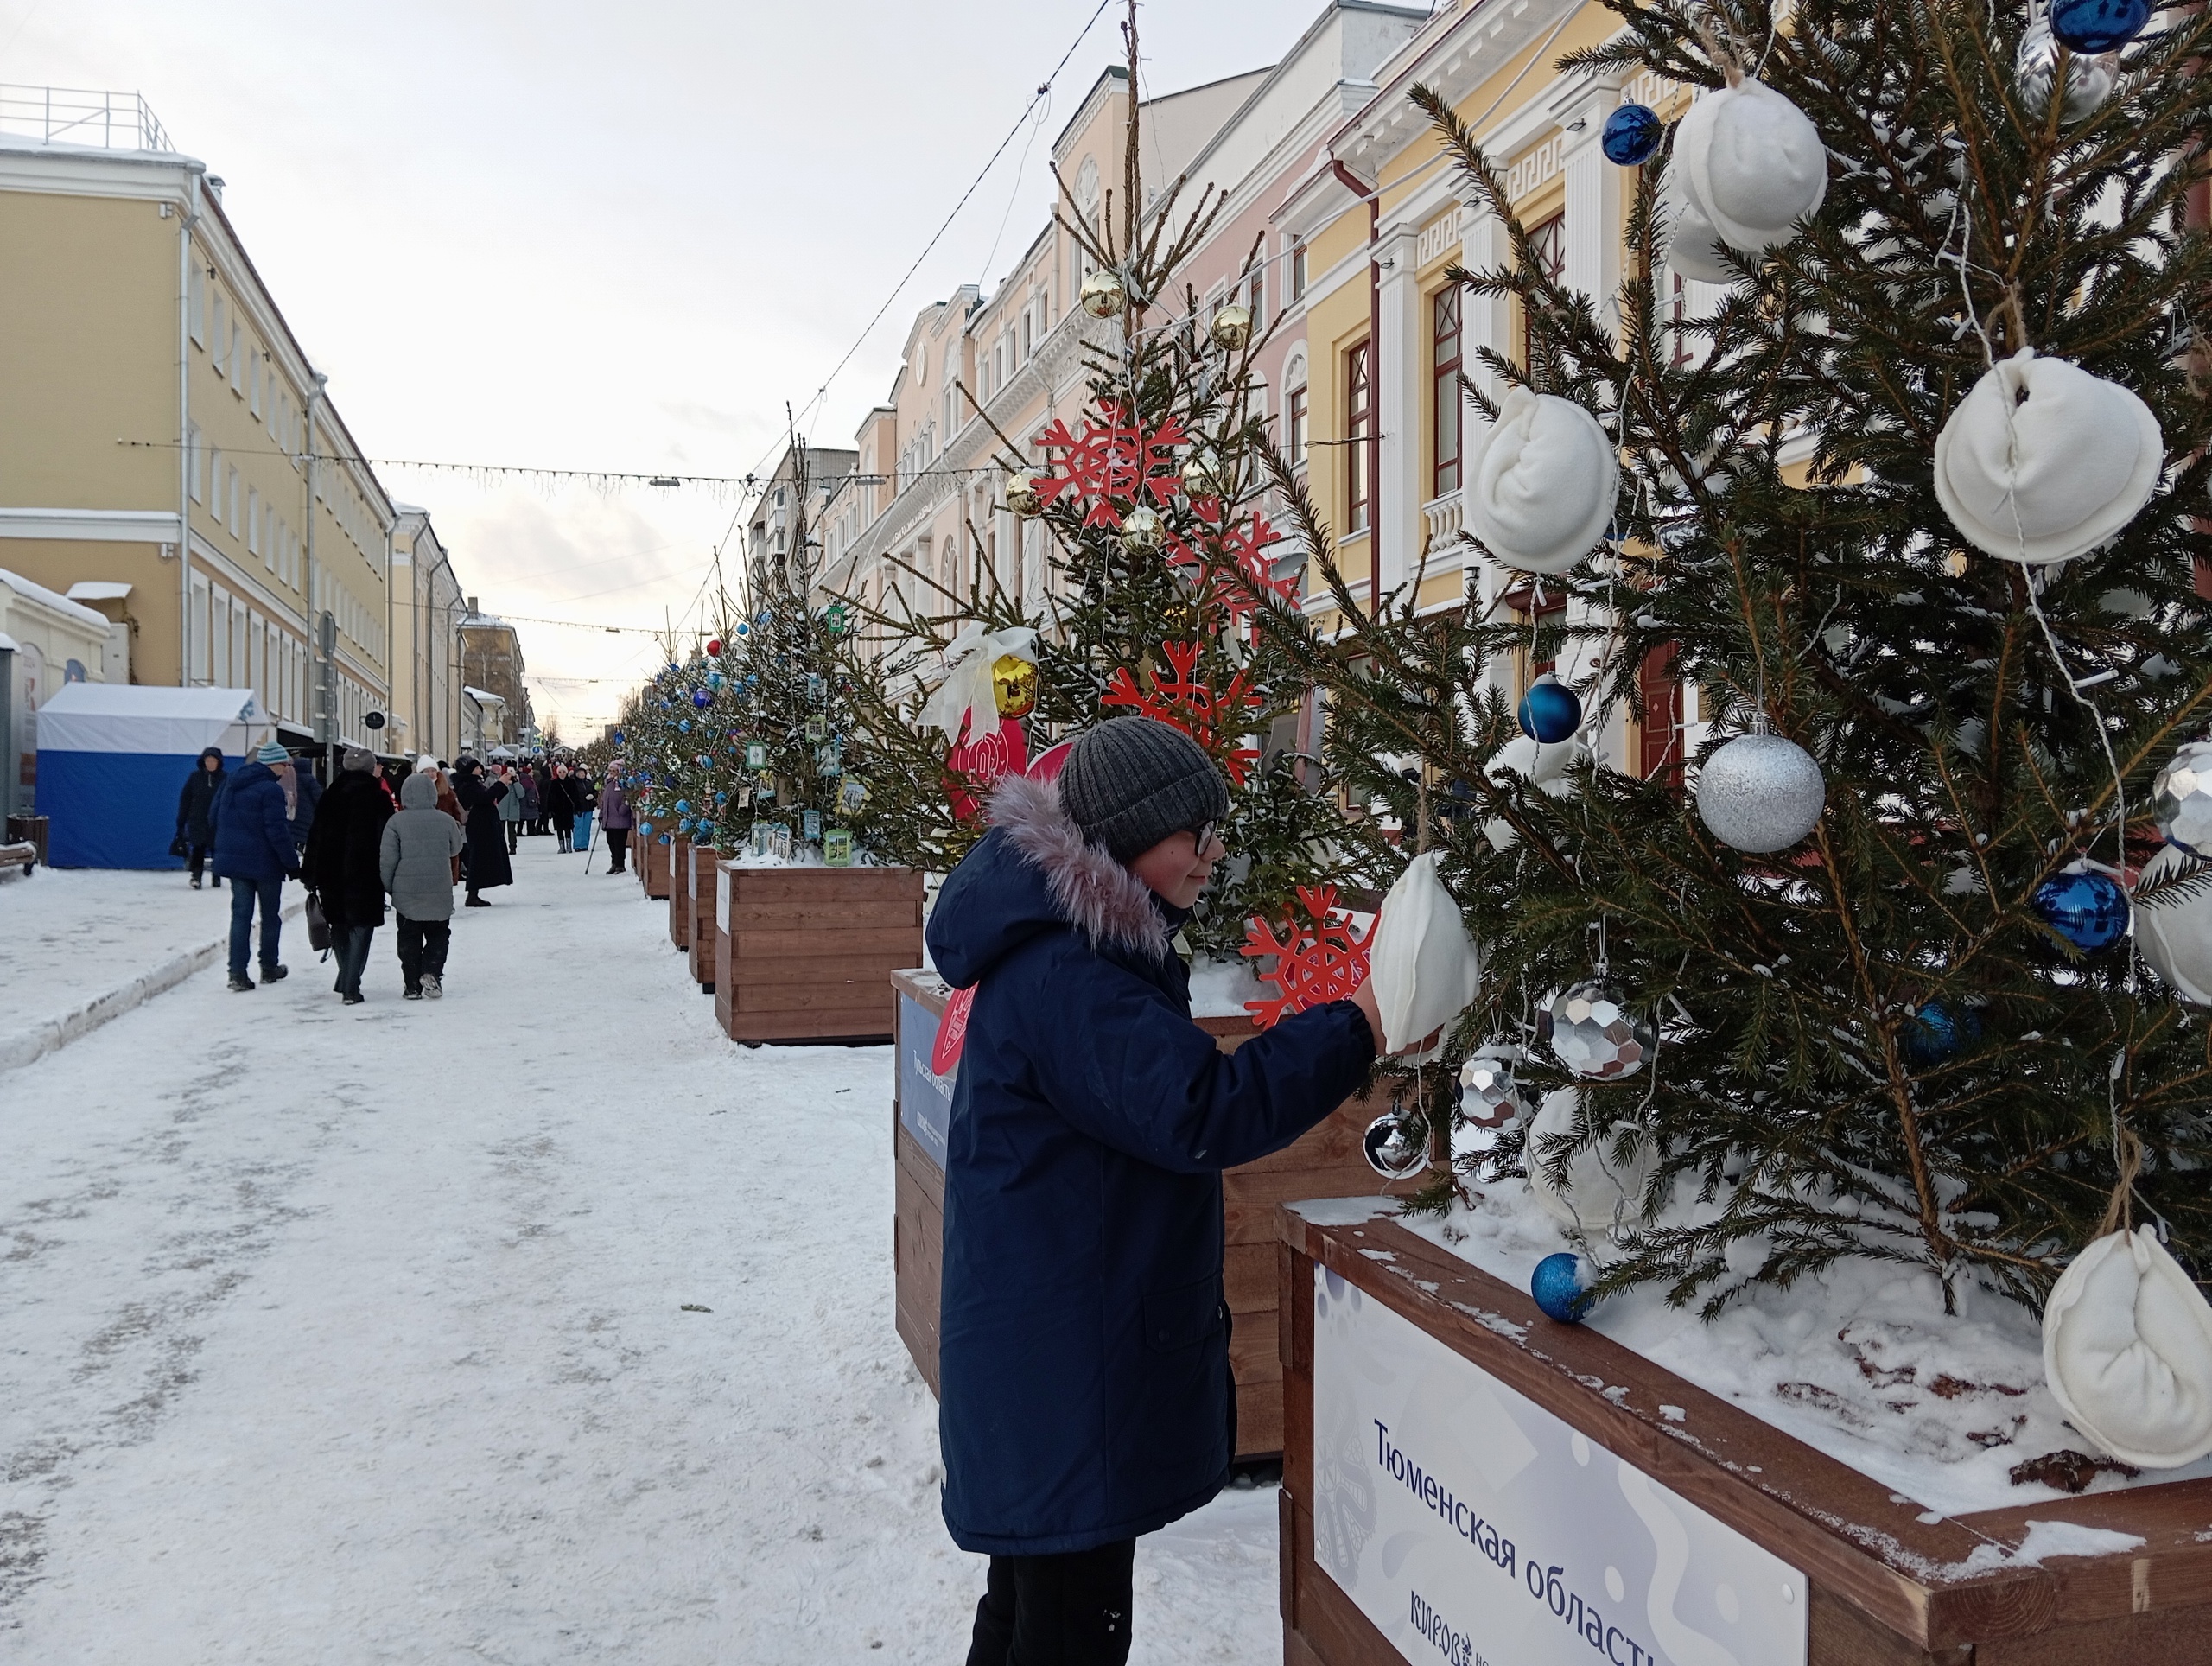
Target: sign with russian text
(925,1092)
(1472,1526)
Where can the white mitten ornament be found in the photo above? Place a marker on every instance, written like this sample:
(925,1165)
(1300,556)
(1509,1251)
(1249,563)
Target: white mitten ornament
(2043,461)
(1542,767)
(1753,165)
(2127,1351)
(1598,1190)
(1426,969)
(1692,247)
(1540,483)
(2175,933)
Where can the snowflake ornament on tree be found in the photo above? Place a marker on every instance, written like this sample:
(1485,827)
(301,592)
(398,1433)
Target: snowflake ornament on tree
(1113,461)
(1185,700)
(1230,568)
(1318,958)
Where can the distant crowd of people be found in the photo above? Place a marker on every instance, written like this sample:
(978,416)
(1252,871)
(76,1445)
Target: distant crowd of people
(379,832)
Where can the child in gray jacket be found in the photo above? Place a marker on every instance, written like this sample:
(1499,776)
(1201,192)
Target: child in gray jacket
(416,861)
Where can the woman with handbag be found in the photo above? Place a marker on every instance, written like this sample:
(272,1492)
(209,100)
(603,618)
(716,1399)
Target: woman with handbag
(341,868)
(195,834)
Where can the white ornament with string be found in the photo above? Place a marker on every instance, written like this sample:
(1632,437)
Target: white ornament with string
(2127,1351)
(1598,1190)
(2174,931)
(1750,164)
(1541,482)
(1424,967)
(2043,461)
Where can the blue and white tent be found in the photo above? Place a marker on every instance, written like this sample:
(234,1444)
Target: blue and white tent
(112,757)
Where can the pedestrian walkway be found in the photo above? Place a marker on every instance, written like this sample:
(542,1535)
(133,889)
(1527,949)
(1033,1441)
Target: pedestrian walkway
(536,1324)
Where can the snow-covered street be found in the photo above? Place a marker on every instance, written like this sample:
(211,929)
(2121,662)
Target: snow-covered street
(367,1334)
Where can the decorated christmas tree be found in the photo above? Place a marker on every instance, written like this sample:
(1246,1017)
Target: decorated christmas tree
(1907,958)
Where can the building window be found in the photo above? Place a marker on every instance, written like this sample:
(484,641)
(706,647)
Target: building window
(1294,426)
(1548,250)
(238,360)
(1534,608)
(194,450)
(1359,405)
(1444,315)
(1296,263)
(253,382)
(220,348)
(252,521)
(1255,298)
(237,505)
(1659,745)
(196,306)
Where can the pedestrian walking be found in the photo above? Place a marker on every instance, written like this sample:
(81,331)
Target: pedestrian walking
(614,817)
(584,796)
(532,810)
(1083,1335)
(561,807)
(341,869)
(303,795)
(252,848)
(449,802)
(415,862)
(194,830)
(485,860)
(511,806)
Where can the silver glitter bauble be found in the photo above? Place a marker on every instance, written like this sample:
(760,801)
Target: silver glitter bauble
(2088,80)
(1592,1031)
(2181,797)
(1760,792)
(1395,1147)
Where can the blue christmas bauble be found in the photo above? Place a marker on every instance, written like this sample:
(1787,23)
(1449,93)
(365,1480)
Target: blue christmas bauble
(618,737)
(2089,910)
(1561,1288)
(683,806)
(1550,711)
(745,630)
(702,699)
(684,726)
(713,679)
(683,825)
(751,681)
(663,838)
(721,797)
(2095,26)
(1938,1032)
(1631,134)
(648,826)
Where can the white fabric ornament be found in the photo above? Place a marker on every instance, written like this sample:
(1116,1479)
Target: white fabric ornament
(1542,767)
(1752,162)
(1599,1191)
(2127,1351)
(1692,247)
(1760,792)
(1426,969)
(2043,461)
(2175,933)
(1542,482)
(969,659)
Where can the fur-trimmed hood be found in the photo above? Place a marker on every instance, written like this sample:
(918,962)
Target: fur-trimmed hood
(1034,872)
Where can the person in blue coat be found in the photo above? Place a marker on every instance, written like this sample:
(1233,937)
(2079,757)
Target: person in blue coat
(1083,1335)
(252,818)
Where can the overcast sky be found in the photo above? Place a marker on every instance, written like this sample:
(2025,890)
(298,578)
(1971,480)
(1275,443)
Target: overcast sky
(610,236)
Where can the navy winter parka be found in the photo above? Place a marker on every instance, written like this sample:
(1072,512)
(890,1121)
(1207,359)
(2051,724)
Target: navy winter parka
(1084,1336)
(253,834)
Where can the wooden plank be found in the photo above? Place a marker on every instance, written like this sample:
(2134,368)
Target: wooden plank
(679,900)
(838,1026)
(857,995)
(723,988)
(804,884)
(828,913)
(893,946)
(814,969)
(1249,1196)
(1259,1420)
(1248,1278)
(922,987)
(2177,1636)
(1255,1356)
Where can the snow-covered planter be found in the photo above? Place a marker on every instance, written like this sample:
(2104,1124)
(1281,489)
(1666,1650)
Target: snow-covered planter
(806,954)
(652,865)
(678,892)
(1773,1489)
(697,877)
(1325,1162)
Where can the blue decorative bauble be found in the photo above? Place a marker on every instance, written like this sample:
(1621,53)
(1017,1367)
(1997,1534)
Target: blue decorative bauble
(1631,134)
(618,737)
(713,679)
(751,682)
(663,838)
(648,826)
(683,806)
(1550,711)
(701,699)
(2089,910)
(2095,26)
(721,797)
(745,630)
(1561,1288)
(1938,1032)
(684,726)
(683,825)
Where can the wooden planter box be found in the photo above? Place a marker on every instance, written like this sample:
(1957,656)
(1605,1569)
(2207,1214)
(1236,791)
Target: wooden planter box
(652,868)
(699,883)
(805,954)
(1327,1161)
(679,894)
(1853,1573)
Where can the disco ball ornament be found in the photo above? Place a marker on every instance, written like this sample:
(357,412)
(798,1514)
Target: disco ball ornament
(2089,909)
(2034,71)
(713,645)
(2094,26)
(1550,712)
(2181,797)
(1489,1097)
(1103,294)
(1393,1145)
(1938,1032)
(1760,792)
(1590,1029)
(1562,1286)
(1021,495)
(1232,328)
(1631,134)
(1142,529)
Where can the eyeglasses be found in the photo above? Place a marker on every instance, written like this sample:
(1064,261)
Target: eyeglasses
(1201,836)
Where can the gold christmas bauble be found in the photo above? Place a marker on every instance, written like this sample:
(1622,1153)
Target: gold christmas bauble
(1103,294)
(1232,328)
(1142,529)
(1021,492)
(1202,473)
(1013,685)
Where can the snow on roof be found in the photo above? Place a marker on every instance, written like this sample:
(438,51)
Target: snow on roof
(131,717)
(99,589)
(54,599)
(483,696)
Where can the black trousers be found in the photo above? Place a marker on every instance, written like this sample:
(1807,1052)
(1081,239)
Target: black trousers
(349,947)
(199,860)
(1056,1611)
(423,944)
(618,847)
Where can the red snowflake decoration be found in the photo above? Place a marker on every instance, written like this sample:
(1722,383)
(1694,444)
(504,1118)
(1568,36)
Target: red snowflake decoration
(1318,959)
(1185,700)
(1112,461)
(1235,572)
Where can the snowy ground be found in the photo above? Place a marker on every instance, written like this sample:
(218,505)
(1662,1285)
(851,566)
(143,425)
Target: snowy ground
(342,1335)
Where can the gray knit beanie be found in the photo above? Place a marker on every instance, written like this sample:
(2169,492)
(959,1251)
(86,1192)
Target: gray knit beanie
(1130,783)
(358,758)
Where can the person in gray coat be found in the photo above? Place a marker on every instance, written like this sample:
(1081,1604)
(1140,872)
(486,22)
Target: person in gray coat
(416,862)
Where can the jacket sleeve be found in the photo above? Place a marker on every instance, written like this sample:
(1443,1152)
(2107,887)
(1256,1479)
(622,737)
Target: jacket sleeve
(184,801)
(388,853)
(1122,1063)
(276,828)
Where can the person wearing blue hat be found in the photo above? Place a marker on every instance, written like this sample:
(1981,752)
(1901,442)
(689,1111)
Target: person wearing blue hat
(251,822)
